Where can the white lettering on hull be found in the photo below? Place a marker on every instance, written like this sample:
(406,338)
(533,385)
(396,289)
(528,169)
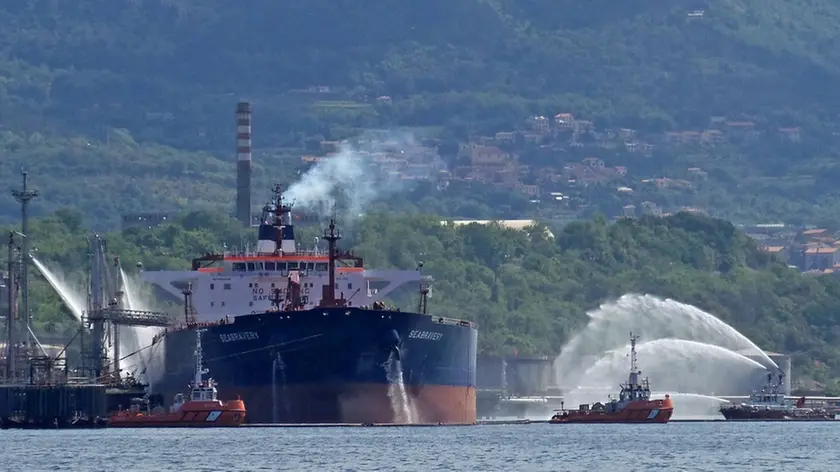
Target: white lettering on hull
(425,335)
(241,336)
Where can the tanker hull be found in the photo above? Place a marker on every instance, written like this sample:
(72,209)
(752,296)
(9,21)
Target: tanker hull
(335,365)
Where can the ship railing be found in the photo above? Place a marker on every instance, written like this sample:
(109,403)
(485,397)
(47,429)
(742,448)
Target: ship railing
(298,252)
(452,321)
(183,326)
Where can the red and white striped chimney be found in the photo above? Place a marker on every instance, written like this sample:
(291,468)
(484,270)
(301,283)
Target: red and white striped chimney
(243,163)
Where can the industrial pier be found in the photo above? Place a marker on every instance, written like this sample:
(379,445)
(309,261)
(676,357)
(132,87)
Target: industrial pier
(516,387)
(38,388)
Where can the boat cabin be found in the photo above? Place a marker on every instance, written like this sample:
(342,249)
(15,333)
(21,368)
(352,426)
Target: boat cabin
(204,392)
(771,395)
(634,390)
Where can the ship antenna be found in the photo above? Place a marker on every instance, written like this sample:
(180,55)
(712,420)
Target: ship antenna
(199,360)
(331,235)
(278,204)
(633,360)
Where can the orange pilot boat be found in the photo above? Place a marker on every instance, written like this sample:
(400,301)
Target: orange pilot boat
(633,405)
(202,410)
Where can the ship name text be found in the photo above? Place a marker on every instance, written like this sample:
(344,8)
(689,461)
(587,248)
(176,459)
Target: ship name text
(427,335)
(261,294)
(240,336)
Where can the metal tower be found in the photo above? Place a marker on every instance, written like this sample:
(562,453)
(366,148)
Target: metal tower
(23,196)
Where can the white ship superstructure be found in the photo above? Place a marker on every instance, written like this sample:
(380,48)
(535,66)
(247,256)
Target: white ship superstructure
(239,283)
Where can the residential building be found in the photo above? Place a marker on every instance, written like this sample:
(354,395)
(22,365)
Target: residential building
(564,121)
(626,133)
(818,258)
(505,136)
(711,137)
(540,124)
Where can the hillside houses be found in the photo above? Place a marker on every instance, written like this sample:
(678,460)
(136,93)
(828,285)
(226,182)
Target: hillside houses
(562,153)
(391,158)
(813,251)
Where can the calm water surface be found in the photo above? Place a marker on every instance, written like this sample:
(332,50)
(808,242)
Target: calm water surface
(714,447)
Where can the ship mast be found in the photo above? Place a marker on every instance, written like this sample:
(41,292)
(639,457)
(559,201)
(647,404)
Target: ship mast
(283,209)
(635,373)
(331,235)
(199,360)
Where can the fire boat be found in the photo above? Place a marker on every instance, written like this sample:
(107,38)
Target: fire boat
(633,404)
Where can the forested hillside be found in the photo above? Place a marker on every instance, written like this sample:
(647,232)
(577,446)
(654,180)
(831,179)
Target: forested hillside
(114,64)
(530,291)
(90,90)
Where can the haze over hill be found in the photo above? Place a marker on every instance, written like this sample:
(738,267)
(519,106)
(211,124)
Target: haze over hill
(129,74)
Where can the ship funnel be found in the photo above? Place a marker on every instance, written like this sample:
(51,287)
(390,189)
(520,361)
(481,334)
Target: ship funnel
(287,243)
(243,163)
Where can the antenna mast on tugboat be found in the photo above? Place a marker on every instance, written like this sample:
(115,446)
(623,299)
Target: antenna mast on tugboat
(634,367)
(199,360)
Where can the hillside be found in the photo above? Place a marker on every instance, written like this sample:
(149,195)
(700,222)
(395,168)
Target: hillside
(183,62)
(529,292)
(154,73)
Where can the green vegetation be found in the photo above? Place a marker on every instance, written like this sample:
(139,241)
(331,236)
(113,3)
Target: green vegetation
(128,106)
(529,291)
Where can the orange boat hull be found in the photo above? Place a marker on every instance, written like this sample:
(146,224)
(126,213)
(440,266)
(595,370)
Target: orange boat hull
(653,411)
(192,415)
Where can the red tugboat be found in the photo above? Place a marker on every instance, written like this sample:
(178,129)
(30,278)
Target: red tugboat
(633,405)
(770,404)
(202,410)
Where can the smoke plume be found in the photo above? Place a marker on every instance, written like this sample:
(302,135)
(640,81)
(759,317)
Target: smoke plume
(362,173)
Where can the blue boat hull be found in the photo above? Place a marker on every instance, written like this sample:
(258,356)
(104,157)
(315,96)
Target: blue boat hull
(335,365)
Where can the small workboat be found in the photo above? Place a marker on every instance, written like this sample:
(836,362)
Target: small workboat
(203,408)
(633,405)
(771,404)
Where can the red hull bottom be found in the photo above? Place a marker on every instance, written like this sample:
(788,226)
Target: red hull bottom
(612,419)
(357,403)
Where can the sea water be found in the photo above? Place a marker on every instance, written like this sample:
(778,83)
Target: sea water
(714,446)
